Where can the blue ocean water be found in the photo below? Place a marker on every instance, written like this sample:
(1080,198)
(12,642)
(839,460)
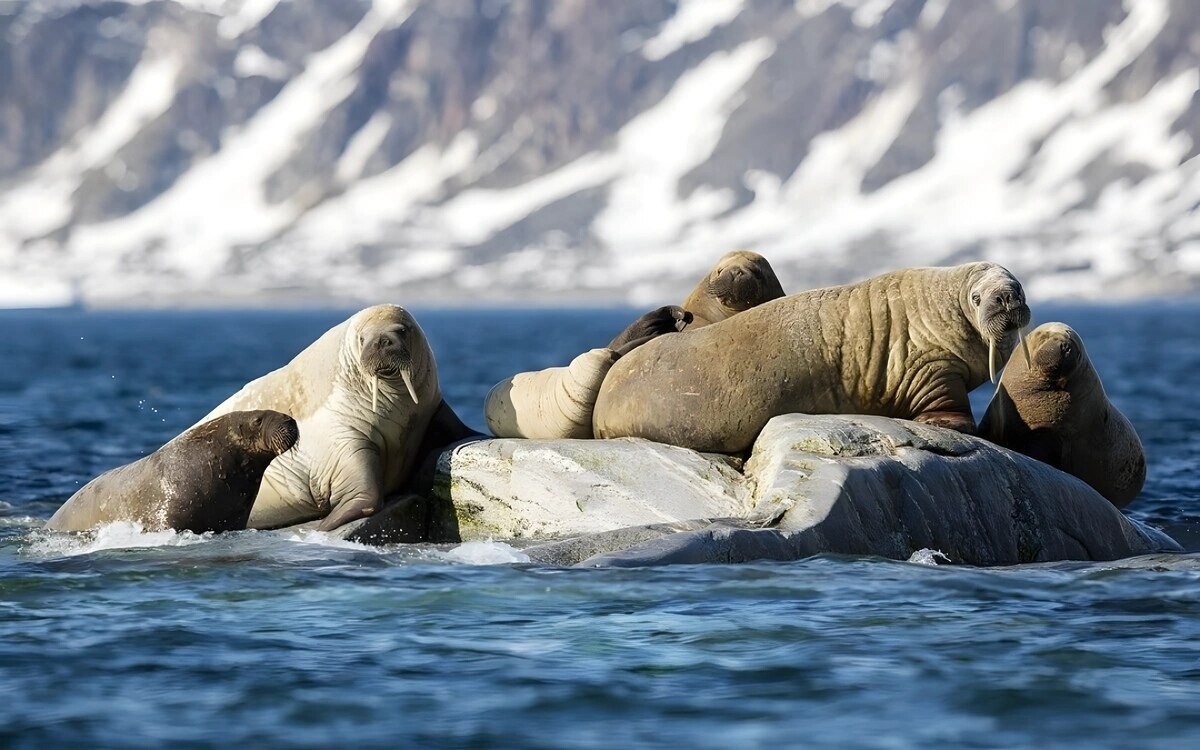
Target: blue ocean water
(279,639)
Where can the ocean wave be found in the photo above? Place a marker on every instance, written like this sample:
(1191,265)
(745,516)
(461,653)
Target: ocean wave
(116,535)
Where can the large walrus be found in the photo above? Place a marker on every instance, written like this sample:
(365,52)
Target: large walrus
(1053,408)
(204,480)
(739,281)
(363,394)
(909,344)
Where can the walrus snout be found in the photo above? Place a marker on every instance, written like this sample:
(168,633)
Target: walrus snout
(280,432)
(1057,356)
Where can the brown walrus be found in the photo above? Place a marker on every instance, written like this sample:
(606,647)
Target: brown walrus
(741,280)
(204,480)
(1053,408)
(909,344)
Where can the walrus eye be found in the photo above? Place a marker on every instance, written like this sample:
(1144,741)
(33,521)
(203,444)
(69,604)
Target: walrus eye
(975,300)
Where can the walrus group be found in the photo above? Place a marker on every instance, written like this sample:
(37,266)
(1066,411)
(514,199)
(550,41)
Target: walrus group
(350,421)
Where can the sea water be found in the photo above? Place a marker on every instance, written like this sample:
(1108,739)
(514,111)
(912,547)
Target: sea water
(257,639)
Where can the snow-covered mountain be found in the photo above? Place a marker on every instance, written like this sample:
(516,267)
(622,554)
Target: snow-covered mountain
(260,151)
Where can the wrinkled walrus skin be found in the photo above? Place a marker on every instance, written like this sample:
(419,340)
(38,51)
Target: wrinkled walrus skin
(364,394)
(551,404)
(739,281)
(1054,408)
(909,344)
(204,480)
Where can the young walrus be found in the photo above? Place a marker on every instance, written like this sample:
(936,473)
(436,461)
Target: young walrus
(909,344)
(741,280)
(1053,408)
(204,480)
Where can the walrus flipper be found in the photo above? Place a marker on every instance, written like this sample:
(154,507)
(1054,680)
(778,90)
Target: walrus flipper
(668,319)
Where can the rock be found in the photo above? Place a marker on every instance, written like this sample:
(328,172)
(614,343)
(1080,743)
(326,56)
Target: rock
(874,486)
(814,484)
(515,489)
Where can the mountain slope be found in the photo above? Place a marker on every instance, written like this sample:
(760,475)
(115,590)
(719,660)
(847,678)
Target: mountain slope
(250,151)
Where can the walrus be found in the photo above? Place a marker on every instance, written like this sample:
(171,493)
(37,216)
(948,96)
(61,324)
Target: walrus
(363,394)
(1053,408)
(909,344)
(204,480)
(556,403)
(739,281)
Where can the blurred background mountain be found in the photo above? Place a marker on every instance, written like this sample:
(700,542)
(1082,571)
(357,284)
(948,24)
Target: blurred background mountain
(179,152)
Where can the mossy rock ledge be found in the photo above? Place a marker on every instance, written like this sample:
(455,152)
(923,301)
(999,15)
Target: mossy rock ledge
(813,484)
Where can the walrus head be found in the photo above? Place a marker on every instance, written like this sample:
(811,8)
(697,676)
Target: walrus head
(1057,353)
(268,431)
(388,342)
(999,312)
(743,279)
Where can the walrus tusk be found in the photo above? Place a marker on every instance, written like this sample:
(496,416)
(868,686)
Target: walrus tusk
(992,359)
(375,393)
(1024,346)
(408,382)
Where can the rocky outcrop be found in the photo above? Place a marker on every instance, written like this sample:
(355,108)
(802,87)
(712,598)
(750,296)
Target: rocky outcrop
(851,485)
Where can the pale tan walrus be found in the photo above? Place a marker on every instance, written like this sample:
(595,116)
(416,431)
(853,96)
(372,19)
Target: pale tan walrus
(739,281)
(363,395)
(1053,408)
(909,344)
(556,403)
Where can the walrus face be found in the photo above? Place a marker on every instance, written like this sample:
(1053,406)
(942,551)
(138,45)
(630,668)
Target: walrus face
(743,279)
(1057,352)
(279,431)
(1000,312)
(387,338)
(269,431)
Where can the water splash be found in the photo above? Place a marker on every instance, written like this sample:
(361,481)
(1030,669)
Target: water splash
(486,553)
(116,535)
(926,556)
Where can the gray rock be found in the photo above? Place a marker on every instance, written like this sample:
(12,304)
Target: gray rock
(516,489)
(874,486)
(851,485)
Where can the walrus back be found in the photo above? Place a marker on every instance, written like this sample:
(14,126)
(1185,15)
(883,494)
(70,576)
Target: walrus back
(296,389)
(839,350)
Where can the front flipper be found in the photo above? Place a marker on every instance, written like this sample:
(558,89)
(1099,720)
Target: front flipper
(669,319)
(357,489)
(953,420)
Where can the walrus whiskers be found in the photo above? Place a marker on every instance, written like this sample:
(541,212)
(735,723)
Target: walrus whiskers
(409,384)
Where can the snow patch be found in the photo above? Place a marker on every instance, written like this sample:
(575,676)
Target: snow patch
(230,184)
(248,15)
(692,21)
(252,61)
(658,147)
(43,202)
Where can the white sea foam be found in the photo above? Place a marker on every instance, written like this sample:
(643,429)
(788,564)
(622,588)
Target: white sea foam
(324,539)
(926,556)
(486,553)
(116,535)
